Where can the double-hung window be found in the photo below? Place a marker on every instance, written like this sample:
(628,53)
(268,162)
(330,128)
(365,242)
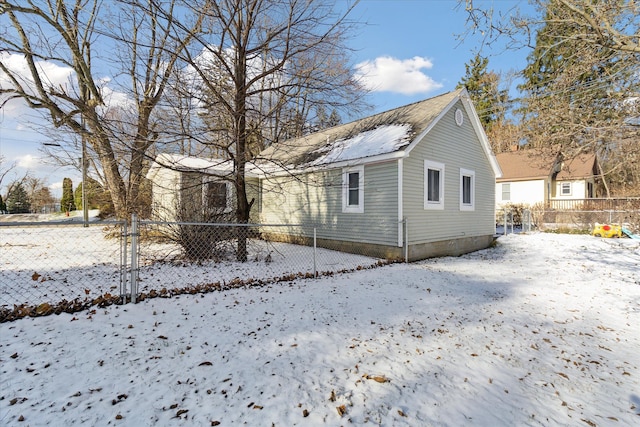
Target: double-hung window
(433,185)
(353,190)
(565,188)
(506,192)
(467,189)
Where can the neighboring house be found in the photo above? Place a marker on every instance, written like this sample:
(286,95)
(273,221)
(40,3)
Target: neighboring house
(532,177)
(191,189)
(410,183)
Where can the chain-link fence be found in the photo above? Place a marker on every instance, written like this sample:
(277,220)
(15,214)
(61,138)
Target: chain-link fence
(54,267)
(49,268)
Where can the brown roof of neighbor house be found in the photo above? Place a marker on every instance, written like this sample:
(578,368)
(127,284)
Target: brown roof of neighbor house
(524,165)
(581,166)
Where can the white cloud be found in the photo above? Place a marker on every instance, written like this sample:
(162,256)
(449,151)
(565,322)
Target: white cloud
(28,161)
(52,75)
(405,76)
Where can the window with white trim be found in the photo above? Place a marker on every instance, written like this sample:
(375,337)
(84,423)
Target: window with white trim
(353,190)
(506,191)
(565,188)
(433,185)
(467,189)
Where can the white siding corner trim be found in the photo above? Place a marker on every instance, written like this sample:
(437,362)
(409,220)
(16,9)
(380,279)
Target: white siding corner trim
(400,202)
(353,189)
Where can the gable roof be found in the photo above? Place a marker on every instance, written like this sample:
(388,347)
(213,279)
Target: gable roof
(581,166)
(524,165)
(383,136)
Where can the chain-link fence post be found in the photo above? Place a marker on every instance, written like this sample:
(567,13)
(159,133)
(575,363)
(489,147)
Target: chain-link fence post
(135,250)
(315,250)
(506,230)
(405,244)
(124,237)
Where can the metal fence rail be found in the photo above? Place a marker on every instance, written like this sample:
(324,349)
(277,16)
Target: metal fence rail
(57,264)
(54,267)
(201,255)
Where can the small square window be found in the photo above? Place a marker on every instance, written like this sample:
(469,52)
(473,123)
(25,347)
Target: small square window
(565,188)
(433,185)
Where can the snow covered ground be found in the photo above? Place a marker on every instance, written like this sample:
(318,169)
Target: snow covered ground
(542,330)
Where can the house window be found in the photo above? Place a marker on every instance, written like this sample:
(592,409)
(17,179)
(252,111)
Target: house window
(506,192)
(433,185)
(467,190)
(353,190)
(565,188)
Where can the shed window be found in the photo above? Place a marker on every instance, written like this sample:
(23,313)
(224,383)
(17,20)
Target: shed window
(506,192)
(353,190)
(467,190)
(565,188)
(216,196)
(433,185)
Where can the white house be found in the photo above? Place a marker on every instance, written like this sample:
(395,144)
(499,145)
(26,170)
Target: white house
(532,177)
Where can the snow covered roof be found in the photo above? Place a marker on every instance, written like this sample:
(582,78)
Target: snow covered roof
(381,134)
(390,134)
(180,162)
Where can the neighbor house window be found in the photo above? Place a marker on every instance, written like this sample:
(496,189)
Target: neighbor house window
(433,185)
(506,192)
(353,190)
(565,188)
(467,189)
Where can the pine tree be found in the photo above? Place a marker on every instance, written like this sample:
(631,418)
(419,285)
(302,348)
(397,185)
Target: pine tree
(483,88)
(67,203)
(3,205)
(94,194)
(18,200)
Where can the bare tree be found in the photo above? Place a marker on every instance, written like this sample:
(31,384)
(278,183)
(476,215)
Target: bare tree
(580,90)
(80,35)
(261,64)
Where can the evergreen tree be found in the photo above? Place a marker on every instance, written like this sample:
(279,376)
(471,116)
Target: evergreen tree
(67,203)
(93,194)
(18,200)
(483,88)
(3,205)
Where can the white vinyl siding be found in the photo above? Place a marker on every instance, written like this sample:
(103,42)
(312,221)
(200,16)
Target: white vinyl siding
(316,199)
(455,147)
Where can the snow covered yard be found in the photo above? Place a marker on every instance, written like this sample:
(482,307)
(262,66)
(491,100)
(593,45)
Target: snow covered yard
(543,330)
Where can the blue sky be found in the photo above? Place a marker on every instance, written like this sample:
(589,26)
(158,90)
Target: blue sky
(406,50)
